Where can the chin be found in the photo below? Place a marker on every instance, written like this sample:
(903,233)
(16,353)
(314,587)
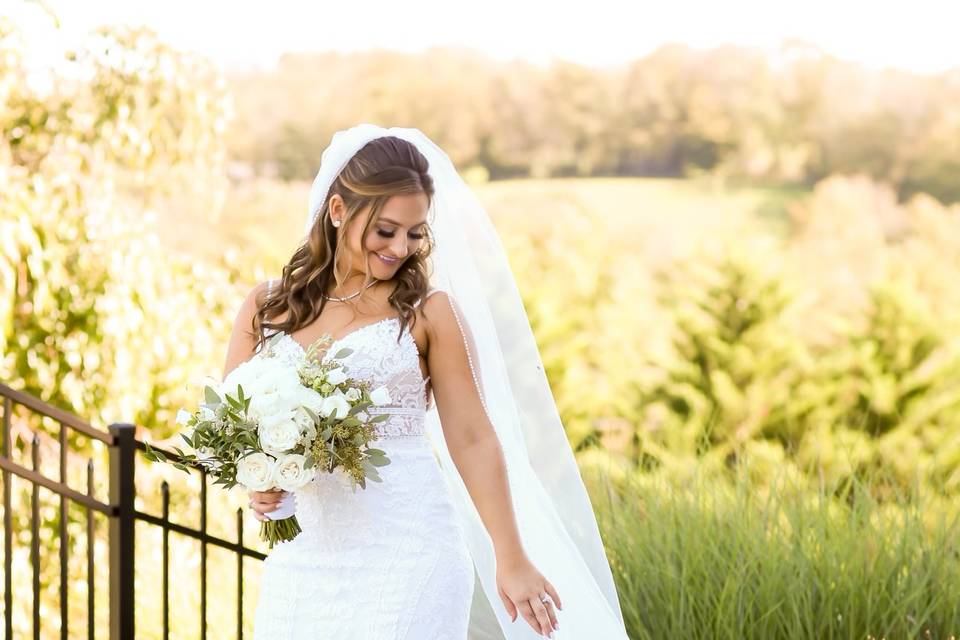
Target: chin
(383,274)
(381,270)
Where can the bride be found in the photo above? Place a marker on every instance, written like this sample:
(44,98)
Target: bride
(401,265)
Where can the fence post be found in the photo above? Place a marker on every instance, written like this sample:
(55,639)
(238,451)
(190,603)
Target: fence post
(122,491)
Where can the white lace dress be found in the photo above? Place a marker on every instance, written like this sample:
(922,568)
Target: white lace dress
(388,562)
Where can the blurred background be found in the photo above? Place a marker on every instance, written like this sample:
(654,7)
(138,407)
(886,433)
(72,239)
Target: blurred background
(735,226)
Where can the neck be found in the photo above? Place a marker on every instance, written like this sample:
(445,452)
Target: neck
(352,284)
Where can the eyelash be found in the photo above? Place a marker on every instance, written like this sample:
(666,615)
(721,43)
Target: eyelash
(389,234)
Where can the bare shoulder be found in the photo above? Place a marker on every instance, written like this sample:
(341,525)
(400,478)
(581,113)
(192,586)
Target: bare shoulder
(251,303)
(243,340)
(437,312)
(258,292)
(440,317)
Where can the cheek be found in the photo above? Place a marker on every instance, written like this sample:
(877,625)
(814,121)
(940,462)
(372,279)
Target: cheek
(374,242)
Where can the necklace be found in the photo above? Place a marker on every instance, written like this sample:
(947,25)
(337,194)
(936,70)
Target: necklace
(352,295)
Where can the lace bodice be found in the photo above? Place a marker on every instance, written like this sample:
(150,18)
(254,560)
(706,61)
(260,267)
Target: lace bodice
(394,550)
(378,358)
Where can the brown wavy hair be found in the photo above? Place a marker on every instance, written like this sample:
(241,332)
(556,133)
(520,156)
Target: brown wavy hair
(384,167)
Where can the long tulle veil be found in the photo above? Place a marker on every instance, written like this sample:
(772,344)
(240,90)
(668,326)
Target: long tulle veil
(554,515)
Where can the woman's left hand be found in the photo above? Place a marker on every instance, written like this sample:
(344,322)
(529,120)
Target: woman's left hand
(520,586)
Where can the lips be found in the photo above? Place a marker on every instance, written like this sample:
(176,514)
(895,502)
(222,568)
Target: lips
(387,259)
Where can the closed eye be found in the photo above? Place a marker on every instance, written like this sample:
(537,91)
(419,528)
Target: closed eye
(390,234)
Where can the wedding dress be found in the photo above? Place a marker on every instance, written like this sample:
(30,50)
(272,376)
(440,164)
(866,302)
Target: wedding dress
(388,562)
(392,561)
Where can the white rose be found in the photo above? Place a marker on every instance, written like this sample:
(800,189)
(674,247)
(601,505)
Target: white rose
(380,396)
(310,399)
(259,376)
(240,375)
(252,376)
(279,433)
(182,416)
(207,414)
(353,394)
(303,419)
(263,406)
(289,473)
(335,403)
(336,376)
(255,472)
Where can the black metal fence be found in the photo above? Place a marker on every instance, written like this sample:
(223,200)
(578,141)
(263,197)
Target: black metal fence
(121,514)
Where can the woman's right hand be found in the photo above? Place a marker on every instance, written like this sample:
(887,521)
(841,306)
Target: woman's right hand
(263,502)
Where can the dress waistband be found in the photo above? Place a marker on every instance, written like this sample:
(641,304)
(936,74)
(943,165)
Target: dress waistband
(403,422)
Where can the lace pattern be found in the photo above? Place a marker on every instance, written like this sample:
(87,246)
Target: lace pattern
(377,358)
(387,562)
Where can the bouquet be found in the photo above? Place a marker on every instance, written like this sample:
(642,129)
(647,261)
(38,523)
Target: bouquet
(270,425)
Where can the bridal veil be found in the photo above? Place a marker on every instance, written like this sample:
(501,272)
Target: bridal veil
(554,515)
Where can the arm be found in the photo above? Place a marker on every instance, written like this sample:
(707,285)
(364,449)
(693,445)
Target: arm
(242,339)
(240,348)
(475,450)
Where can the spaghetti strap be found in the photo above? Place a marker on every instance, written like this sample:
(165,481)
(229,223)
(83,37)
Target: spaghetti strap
(270,285)
(425,296)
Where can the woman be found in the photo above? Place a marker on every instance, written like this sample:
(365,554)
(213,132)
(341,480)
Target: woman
(396,560)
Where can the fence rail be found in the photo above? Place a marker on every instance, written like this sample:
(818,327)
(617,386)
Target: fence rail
(122,516)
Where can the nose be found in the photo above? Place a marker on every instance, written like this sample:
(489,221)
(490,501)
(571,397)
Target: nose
(399,246)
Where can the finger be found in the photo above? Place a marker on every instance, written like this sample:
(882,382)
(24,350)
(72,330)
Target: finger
(264,495)
(268,496)
(552,614)
(264,507)
(553,594)
(541,612)
(527,612)
(507,604)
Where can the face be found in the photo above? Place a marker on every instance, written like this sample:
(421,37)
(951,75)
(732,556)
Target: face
(396,235)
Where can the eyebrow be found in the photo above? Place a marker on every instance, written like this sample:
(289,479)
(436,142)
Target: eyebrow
(394,222)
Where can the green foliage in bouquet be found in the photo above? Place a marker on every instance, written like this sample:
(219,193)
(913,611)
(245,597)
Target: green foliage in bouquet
(342,442)
(221,431)
(323,423)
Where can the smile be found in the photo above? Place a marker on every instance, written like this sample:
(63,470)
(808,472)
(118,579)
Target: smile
(386,259)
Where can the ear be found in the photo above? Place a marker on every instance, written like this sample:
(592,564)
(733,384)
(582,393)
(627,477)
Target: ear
(336,207)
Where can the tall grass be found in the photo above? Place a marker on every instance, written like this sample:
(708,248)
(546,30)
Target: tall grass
(709,558)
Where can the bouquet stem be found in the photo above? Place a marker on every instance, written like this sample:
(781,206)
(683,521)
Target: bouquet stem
(274,531)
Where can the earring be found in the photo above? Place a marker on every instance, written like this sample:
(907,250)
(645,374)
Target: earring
(336,223)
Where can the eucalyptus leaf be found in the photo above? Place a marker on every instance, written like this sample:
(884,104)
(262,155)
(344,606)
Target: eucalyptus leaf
(360,407)
(343,353)
(211,396)
(153,454)
(312,415)
(371,472)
